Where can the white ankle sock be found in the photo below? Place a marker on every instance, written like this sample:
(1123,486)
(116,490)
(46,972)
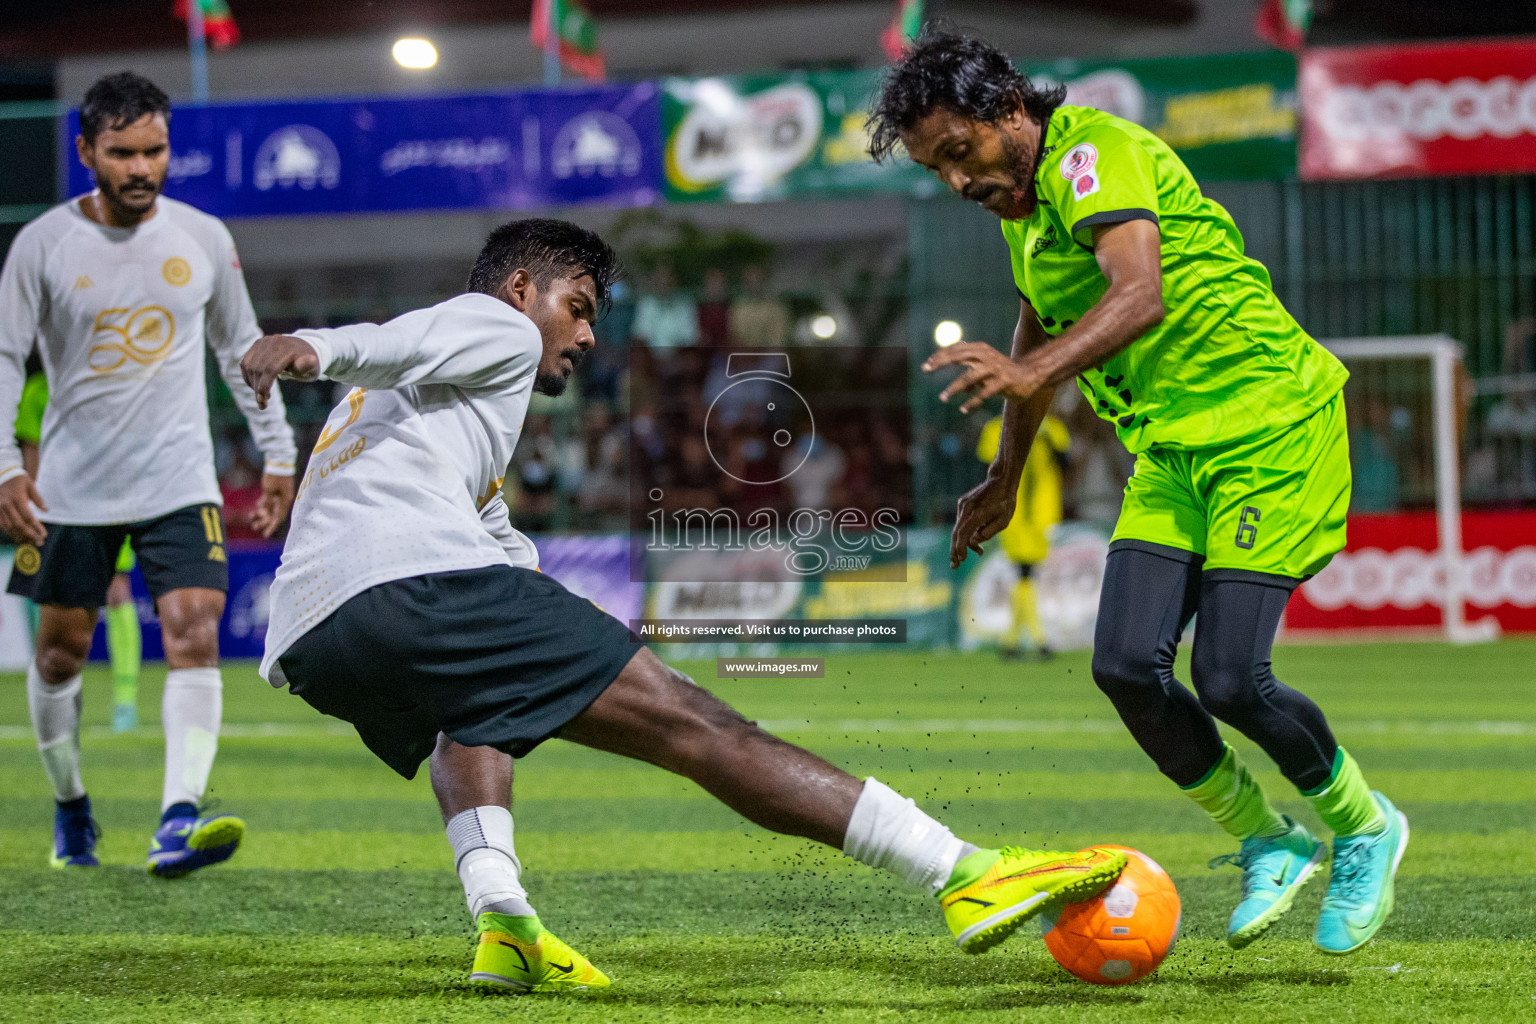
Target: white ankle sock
(487,863)
(888,831)
(56,724)
(190,712)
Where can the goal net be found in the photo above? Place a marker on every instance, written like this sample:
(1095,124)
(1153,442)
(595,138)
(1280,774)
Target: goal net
(1404,404)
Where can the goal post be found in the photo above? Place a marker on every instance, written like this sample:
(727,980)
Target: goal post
(1441,356)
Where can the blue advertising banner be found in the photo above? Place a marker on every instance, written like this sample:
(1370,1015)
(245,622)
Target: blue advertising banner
(502,151)
(594,567)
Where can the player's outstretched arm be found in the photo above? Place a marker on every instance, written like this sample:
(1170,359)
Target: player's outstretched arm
(274,356)
(471,341)
(1130,256)
(984,510)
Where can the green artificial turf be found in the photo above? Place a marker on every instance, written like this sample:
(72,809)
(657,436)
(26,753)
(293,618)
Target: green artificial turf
(342,906)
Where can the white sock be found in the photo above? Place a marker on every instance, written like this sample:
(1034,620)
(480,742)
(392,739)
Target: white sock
(486,862)
(190,713)
(888,831)
(56,724)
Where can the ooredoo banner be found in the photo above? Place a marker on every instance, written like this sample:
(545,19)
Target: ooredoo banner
(1391,575)
(1437,108)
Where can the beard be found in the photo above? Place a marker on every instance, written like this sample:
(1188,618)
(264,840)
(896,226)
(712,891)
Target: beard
(1022,200)
(114,194)
(553,384)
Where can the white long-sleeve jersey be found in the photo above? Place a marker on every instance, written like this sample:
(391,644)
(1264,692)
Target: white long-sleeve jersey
(120,317)
(406,477)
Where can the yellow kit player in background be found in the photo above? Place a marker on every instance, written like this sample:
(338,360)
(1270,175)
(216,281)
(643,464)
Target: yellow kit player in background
(1025,539)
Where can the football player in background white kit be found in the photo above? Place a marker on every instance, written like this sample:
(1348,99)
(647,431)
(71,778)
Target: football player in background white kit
(120,290)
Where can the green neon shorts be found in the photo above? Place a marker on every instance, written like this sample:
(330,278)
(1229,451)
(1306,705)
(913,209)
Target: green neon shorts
(1273,505)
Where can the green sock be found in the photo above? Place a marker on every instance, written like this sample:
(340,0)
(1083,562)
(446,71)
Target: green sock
(1344,802)
(124,648)
(1234,800)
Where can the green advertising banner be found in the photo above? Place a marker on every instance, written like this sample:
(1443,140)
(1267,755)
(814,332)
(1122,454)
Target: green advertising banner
(1228,117)
(759,137)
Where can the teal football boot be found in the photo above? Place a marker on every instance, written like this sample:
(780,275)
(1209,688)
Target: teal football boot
(1274,870)
(1360,891)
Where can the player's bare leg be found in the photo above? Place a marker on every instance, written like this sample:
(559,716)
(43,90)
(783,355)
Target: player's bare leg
(465,777)
(54,700)
(515,952)
(190,712)
(653,713)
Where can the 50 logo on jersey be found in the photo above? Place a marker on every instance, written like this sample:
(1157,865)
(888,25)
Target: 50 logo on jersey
(145,335)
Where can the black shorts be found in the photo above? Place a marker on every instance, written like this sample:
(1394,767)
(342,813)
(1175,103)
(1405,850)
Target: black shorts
(494,657)
(74,566)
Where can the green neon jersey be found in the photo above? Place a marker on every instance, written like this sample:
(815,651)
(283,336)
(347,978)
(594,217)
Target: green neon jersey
(1227,362)
(29,412)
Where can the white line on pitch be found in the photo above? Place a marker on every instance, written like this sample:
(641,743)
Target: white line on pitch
(231,730)
(294,730)
(1108,725)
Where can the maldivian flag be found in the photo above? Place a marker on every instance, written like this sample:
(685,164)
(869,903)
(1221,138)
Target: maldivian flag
(218,23)
(903,28)
(1284,23)
(578,35)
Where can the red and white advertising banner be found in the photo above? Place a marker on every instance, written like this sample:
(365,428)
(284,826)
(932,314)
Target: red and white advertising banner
(1391,576)
(1437,108)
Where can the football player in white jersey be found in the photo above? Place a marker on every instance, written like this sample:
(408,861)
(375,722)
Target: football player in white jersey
(121,291)
(407,605)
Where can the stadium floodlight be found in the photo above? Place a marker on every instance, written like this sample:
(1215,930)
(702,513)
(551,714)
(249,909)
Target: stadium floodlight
(824,326)
(946,333)
(418,54)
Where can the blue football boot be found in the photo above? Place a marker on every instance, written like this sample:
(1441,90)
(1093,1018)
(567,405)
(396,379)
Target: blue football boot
(1360,891)
(74,835)
(186,841)
(1274,870)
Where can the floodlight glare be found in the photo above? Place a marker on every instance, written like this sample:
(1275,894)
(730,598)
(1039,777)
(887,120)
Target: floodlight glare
(946,333)
(415,53)
(824,326)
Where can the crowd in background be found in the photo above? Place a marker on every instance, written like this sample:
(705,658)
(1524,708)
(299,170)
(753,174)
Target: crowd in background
(639,400)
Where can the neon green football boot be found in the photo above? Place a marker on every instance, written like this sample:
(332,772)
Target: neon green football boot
(991,892)
(518,954)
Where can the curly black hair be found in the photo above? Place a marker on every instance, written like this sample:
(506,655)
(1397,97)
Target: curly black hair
(945,69)
(545,248)
(119,100)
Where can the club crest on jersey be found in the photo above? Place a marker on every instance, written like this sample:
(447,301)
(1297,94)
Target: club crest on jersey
(1079,160)
(1085,185)
(176,271)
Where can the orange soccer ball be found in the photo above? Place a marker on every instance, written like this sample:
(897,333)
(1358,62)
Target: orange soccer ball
(1122,934)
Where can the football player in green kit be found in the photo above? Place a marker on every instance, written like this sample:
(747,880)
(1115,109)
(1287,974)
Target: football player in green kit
(1134,284)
